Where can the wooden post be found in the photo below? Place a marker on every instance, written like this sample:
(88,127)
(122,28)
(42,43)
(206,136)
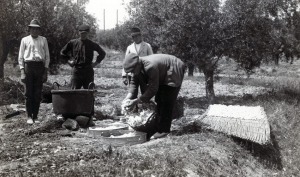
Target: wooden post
(104,19)
(1,63)
(117,17)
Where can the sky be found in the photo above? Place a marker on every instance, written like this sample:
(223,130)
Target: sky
(111,9)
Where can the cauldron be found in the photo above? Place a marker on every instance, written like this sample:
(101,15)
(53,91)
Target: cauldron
(73,102)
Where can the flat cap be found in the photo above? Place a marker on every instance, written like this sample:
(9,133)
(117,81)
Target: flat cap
(84,27)
(130,62)
(135,31)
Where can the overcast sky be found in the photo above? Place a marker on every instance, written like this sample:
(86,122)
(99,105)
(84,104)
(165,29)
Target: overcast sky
(96,8)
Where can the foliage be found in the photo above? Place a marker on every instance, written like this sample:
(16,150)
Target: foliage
(262,31)
(117,38)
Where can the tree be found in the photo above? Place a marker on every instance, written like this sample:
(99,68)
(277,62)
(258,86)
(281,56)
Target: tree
(8,29)
(189,29)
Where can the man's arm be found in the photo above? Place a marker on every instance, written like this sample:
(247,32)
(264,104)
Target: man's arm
(149,50)
(101,54)
(153,84)
(124,74)
(65,50)
(127,50)
(21,60)
(21,54)
(47,59)
(65,53)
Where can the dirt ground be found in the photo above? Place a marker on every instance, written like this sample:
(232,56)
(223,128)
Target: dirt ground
(46,149)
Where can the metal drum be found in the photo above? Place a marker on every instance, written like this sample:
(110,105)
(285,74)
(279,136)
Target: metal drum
(73,102)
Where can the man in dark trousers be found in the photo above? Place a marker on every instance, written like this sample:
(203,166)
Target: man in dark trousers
(158,75)
(34,61)
(80,53)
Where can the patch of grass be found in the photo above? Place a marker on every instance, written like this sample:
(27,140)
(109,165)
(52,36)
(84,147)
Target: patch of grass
(283,110)
(282,107)
(283,114)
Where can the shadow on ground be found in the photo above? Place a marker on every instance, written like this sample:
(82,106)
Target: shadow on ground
(269,154)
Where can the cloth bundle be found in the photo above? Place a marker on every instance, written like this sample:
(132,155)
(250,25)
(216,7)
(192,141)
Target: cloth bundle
(140,116)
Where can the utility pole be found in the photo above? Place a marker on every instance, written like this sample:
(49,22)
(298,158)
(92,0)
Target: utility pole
(104,19)
(117,17)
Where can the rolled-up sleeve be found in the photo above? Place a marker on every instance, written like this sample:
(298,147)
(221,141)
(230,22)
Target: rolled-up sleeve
(21,54)
(47,55)
(101,53)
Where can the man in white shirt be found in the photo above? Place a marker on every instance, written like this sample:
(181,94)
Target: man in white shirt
(138,47)
(34,61)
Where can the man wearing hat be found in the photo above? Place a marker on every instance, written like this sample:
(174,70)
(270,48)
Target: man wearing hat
(34,61)
(80,54)
(138,47)
(158,75)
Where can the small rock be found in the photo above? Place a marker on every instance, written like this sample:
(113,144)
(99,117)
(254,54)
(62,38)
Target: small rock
(83,121)
(70,124)
(82,162)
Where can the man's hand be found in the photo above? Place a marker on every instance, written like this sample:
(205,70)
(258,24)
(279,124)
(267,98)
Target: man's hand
(131,103)
(95,64)
(23,76)
(125,80)
(45,75)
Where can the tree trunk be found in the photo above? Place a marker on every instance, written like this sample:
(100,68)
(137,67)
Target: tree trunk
(276,59)
(209,85)
(1,58)
(1,64)
(191,68)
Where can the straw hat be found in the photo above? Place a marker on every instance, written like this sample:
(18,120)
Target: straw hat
(34,23)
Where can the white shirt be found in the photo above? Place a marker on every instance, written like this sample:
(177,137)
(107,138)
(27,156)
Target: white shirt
(34,49)
(142,49)
(137,47)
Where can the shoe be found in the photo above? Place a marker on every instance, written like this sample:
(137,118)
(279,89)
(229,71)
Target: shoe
(159,135)
(29,121)
(37,121)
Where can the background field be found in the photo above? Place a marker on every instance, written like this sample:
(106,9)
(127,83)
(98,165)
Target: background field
(190,150)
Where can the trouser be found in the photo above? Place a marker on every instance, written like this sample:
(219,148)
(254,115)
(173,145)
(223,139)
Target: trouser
(34,72)
(165,99)
(82,77)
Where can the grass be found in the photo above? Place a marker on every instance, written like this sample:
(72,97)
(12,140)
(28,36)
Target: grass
(192,150)
(282,106)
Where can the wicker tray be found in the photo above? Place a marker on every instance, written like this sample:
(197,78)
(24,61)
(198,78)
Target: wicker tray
(245,122)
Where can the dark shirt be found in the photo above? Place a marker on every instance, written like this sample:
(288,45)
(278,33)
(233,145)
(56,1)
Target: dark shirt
(157,69)
(82,51)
